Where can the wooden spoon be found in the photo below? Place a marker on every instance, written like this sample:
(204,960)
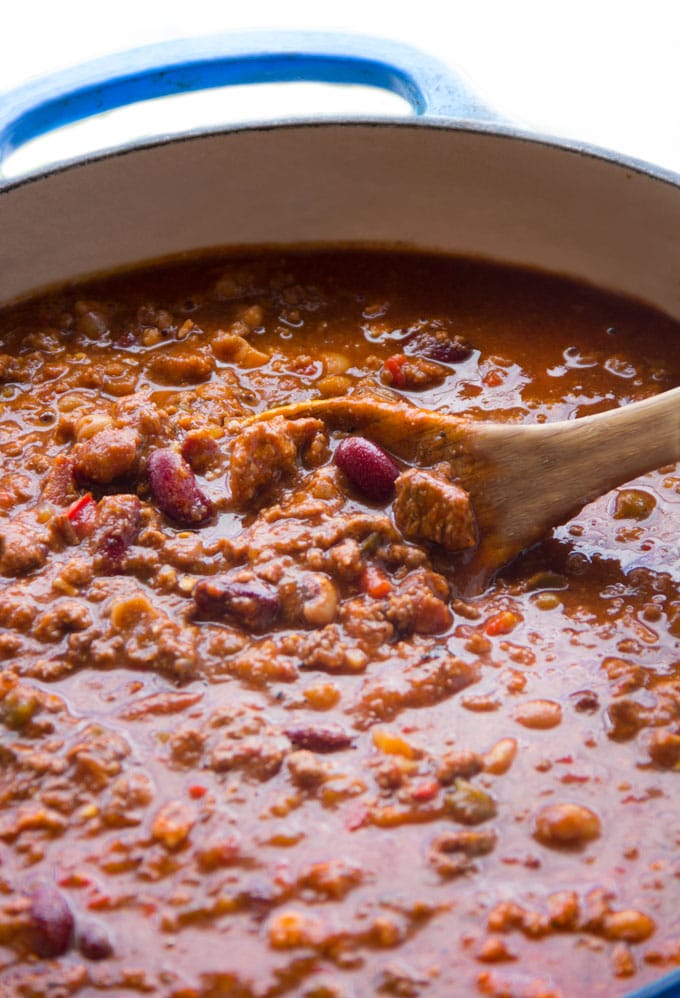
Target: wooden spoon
(522,479)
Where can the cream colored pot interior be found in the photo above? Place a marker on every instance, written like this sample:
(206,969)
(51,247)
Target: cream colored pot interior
(493,196)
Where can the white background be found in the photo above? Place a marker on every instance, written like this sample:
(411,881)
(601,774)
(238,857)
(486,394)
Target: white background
(602,71)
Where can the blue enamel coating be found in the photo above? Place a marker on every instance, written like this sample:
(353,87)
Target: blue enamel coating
(667,987)
(431,87)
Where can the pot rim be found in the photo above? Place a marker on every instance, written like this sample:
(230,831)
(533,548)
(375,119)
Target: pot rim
(490,129)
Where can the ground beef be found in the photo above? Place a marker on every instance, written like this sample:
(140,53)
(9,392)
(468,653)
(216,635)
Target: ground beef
(107,456)
(266,454)
(181,367)
(23,546)
(427,507)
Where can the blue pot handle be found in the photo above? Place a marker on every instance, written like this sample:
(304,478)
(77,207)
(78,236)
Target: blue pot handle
(431,87)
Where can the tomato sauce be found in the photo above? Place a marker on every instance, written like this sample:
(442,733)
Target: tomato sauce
(255,741)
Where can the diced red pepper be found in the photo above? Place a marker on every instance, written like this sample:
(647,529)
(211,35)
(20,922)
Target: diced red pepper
(196,791)
(74,879)
(502,623)
(375,583)
(425,791)
(395,365)
(100,902)
(356,818)
(81,514)
(493,378)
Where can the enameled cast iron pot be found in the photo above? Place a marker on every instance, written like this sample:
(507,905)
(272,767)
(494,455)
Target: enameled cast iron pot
(451,178)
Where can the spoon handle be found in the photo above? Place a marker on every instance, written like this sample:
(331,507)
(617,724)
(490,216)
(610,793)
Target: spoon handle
(538,476)
(590,455)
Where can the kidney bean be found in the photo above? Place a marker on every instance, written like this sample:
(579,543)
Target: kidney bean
(117,525)
(319,737)
(175,489)
(94,942)
(369,468)
(449,351)
(440,346)
(250,603)
(51,922)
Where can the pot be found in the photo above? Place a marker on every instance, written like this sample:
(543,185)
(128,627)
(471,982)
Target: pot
(452,178)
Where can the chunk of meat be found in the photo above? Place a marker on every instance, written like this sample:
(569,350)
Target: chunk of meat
(107,456)
(419,684)
(420,605)
(306,769)
(96,757)
(458,763)
(184,367)
(117,525)
(23,547)
(60,486)
(453,852)
(11,368)
(144,636)
(201,450)
(16,610)
(344,560)
(137,412)
(257,757)
(332,879)
(427,507)
(232,348)
(62,617)
(173,823)
(412,373)
(266,454)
